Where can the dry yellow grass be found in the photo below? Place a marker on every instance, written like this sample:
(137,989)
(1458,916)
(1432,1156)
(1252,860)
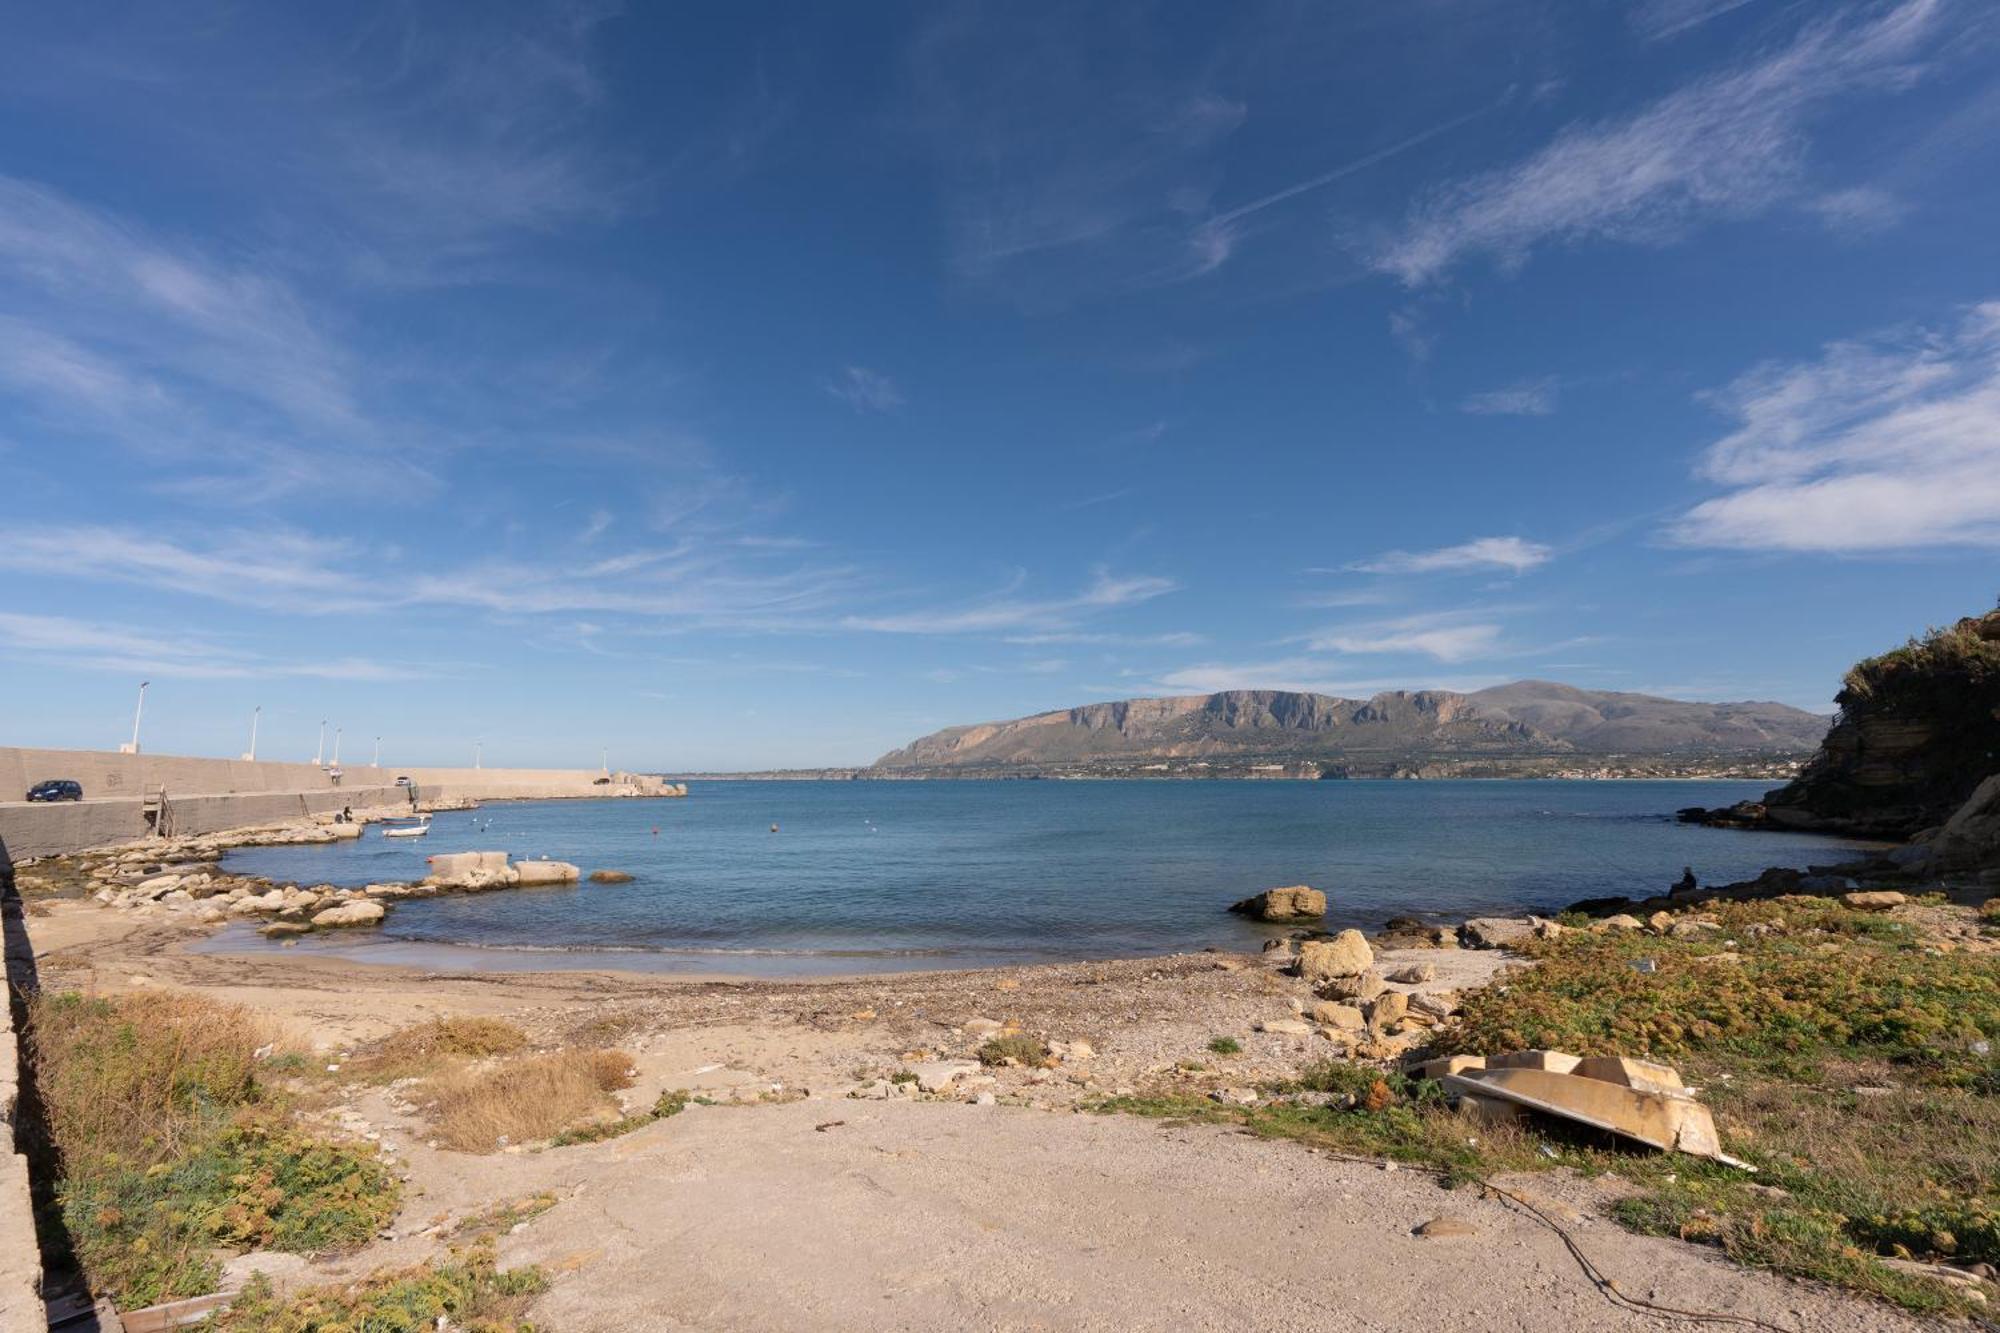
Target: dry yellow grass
(128,1077)
(535,1097)
(429,1047)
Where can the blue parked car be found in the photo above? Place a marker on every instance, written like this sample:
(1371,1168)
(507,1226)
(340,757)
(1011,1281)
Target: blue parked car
(56,789)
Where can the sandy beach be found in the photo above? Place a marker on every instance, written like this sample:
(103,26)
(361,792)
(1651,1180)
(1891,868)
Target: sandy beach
(800,1188)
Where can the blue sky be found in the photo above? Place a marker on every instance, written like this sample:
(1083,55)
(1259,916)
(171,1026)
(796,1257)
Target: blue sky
(769,384)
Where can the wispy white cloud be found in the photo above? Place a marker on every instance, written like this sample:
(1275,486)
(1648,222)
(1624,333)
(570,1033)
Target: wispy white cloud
(1859,211)
(1656,20)
(997,614)
(864,390)
(1881,444)
(1730,145)
(1092,501)
(275,568)
(1445,637)
(94,646)
(211,371)
(285,570)
(1530,398)
(1068,166)
(1409,332)
(1171,639)
(1308,675)
(444,139)
(1510,553)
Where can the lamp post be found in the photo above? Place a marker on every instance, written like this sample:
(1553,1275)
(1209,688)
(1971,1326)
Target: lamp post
(251,753)
(376,762)
(137,713)
(336,747)
(319,755)
(604,760)
(477,746)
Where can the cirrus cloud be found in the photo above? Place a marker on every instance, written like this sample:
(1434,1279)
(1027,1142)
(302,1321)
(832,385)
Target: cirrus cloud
(1509,553)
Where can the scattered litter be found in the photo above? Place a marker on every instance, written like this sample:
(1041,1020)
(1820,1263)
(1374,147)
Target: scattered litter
(1644,965)
(831,1124)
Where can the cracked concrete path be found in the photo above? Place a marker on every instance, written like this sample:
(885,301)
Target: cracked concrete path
(920,1216)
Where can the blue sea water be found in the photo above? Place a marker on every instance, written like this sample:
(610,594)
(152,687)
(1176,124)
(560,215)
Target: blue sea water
(864,876)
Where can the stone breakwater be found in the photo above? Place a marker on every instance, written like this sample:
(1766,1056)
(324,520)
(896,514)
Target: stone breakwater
(182,879)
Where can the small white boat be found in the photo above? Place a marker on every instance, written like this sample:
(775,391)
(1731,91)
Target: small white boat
(406,828)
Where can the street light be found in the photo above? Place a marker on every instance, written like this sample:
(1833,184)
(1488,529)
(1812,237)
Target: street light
(319,755)
(251,753)
(477,746)
(336,747)
(376,762)
(137,713)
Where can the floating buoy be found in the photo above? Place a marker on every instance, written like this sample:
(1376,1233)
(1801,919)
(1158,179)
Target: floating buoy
(774,828)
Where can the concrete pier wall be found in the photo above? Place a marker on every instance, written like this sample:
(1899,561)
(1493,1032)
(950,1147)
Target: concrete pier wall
(208,795)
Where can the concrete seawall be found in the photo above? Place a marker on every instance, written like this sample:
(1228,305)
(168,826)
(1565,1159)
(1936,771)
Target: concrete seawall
(209,795)
(20,1254)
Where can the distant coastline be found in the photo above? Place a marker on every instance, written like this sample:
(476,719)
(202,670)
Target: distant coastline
(1569,768)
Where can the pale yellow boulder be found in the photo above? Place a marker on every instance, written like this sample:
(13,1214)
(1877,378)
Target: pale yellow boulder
(1345,955)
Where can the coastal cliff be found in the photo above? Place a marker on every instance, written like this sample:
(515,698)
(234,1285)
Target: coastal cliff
(1535,726)
(1918,731)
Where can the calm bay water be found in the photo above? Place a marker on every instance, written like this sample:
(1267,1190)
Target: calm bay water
(868,876)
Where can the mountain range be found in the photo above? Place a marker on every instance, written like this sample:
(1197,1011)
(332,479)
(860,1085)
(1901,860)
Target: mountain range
(1397,733)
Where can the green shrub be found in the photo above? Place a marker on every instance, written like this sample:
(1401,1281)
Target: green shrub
(1017,1046)
(1225,1045)
(468,1291)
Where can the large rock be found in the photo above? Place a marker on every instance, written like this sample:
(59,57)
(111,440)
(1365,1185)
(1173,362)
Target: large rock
(359,912)
(1497,932)
(610,877)
(452,865)
(1388,1007)
(939,1075)
(532,874)
(1345,955)
(1333,1014)
(1296,903)
(1356,989)
(1970,839)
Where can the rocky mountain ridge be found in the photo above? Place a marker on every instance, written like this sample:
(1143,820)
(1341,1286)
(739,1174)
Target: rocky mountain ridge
(1397,729)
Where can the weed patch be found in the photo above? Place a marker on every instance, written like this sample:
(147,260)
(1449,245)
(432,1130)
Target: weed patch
(171,1147)
(669,1104)
(468,1292)
(1016,1046)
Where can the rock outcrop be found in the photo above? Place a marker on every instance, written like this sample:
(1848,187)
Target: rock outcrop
(1918,732)
(1296,903)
